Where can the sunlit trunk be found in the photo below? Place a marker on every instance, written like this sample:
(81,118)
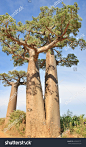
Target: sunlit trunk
(35,115)
(52,96)
(12,101)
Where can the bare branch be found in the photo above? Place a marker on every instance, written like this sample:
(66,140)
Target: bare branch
(56,51)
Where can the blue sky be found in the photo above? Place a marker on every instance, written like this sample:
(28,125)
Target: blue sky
(72,84)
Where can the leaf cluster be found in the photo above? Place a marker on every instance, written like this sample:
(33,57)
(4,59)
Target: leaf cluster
(12,77)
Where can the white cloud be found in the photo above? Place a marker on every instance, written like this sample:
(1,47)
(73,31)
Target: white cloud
(72,93)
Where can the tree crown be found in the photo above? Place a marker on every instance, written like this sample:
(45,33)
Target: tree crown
(15,76)
(53,28)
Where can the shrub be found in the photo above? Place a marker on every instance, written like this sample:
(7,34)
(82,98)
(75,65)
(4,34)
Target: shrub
(2,120)
(18,119)
(73,123)
(17,116)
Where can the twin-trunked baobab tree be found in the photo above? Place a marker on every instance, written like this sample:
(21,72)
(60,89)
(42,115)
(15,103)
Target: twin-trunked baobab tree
(13,79)
(52,28)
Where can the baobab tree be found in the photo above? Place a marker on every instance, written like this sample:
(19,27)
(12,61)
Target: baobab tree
(51,29)
(14,79)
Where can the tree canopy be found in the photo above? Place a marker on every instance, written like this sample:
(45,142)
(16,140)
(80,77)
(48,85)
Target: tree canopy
(12,77)
(54,28)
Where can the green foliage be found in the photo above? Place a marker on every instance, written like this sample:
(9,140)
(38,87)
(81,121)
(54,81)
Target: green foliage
(17,116)
(5,77)
(65,121)
(68,61)
(74,123)
(50,24)
(81,128)
(13,76)
(18,119)
(2,120)
(16,73)
(69,121)
(40,61)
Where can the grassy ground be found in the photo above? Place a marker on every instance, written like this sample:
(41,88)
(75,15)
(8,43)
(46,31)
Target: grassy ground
(16,125)
(71,126)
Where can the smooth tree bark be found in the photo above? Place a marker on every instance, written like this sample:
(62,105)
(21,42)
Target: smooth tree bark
(52,96)
(35,115)
(13,79)
(12,101)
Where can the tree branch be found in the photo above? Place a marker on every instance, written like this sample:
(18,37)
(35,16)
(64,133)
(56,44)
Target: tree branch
(24,58)
(51,45)
(22,83)
(10,83)
(41,33)
(18,41)
(56,51)
(51,31)
(66,27)
(57,62)
(43,63)
(45,48)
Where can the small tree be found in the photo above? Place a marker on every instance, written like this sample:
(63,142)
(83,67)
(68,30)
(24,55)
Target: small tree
(13,79)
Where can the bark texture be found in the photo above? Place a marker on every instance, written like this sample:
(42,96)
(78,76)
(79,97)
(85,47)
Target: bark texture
(35,114)
(12,101)
(51,97)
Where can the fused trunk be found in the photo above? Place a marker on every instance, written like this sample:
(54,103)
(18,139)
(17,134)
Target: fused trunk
(52,96)
(12,101)
(35,114)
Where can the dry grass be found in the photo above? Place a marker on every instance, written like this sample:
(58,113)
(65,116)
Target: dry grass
(18,129)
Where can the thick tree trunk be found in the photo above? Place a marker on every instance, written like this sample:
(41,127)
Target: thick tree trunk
(52,96)
(35,114)
(12,101)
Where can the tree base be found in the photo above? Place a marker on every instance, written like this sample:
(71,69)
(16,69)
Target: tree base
(43,131)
